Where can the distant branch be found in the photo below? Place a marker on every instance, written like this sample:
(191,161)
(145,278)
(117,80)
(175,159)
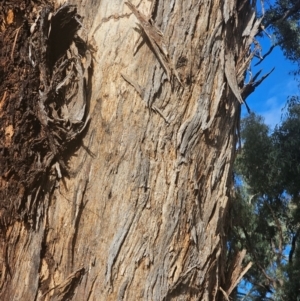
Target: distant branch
(271,280)
(286,14)
(251,86)
(266,54)
(278,227)
(293,246)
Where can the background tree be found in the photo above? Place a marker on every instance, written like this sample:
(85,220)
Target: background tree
(282,18)
(269,228)
(268,192)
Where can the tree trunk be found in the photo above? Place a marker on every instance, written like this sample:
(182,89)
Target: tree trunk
(142,214)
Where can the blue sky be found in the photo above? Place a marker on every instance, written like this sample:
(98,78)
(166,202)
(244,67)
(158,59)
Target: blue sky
(270,97)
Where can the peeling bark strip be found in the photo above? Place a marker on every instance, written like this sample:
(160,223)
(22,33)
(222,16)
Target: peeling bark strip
(145,211)
(156,40)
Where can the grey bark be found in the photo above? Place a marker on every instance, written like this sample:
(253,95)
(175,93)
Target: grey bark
(143,215)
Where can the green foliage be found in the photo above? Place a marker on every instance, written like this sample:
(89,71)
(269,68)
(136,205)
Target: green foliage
(266,206)
(292,287)
(283,17)
(287,149)
(252,162)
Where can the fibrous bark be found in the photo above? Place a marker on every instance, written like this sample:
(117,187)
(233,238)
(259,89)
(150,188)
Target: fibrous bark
(142,212)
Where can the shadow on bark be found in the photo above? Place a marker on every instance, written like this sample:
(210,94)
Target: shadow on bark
(45,69)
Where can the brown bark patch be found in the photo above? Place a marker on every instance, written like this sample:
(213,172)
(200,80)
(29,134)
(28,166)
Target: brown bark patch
(44,71)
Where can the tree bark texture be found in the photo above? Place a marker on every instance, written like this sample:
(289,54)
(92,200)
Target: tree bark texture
(142,214)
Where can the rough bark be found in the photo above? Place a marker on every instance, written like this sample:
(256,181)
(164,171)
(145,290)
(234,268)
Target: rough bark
(142,214)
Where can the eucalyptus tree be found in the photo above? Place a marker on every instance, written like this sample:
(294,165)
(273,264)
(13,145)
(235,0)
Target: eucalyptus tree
(117,160)
(266,207)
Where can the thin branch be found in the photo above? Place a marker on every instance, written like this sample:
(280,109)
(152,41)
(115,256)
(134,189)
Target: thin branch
(224,293)
(266,54)
(256,76)
(250,87)
(278,227)
(271,280)
(248,293)
(243,272)
(262,7)
(293,246)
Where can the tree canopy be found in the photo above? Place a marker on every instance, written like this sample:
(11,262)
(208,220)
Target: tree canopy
(265,212)
(266,207)
(282,18)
